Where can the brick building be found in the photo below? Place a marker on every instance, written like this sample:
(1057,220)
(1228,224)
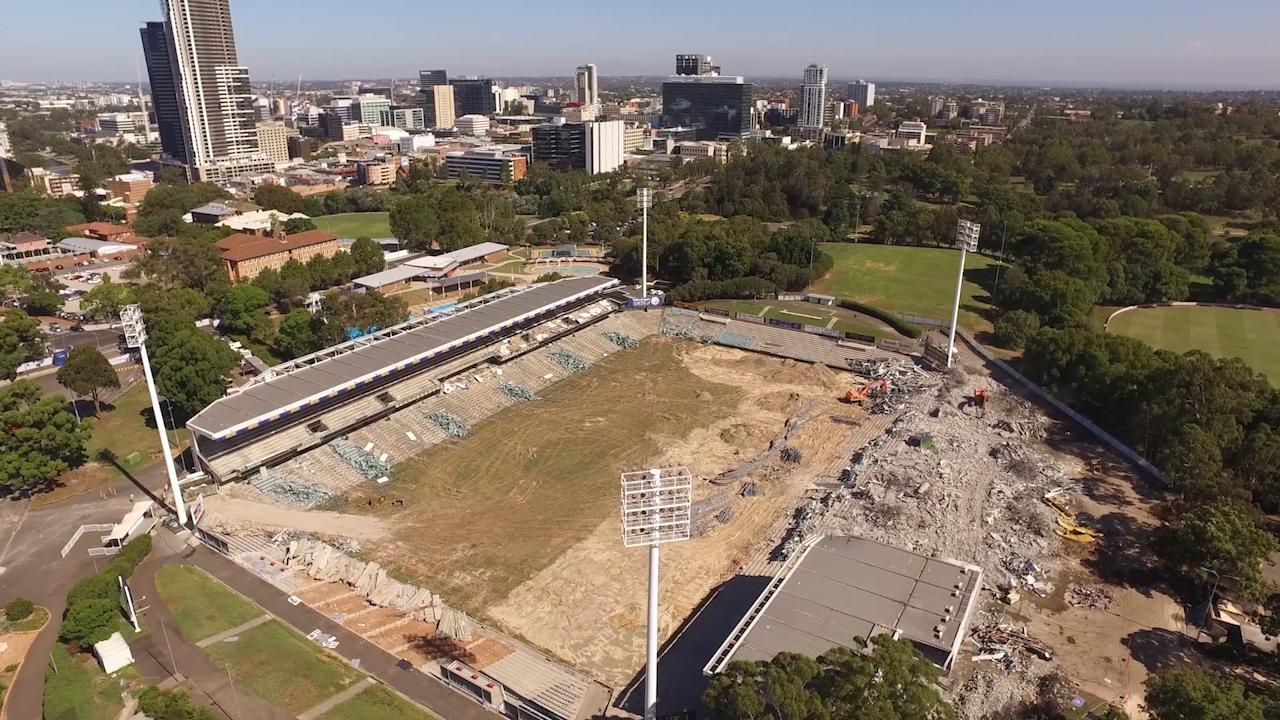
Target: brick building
(244,256)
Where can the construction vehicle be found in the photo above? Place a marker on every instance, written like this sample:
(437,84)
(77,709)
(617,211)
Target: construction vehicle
(1068,528)
(975,404)
(870,391)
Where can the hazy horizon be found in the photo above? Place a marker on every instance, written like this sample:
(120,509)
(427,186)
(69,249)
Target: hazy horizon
(1138,45)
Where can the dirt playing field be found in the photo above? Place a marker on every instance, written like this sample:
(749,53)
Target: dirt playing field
(518,522)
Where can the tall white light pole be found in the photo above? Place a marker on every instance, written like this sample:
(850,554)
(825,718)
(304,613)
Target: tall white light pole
(655,510)
(644,198)
(135,335)
(967,238)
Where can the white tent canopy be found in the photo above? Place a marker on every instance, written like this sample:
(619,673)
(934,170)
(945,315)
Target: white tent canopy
(113,653)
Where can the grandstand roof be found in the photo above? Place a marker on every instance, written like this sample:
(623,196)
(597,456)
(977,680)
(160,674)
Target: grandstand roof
(295,385)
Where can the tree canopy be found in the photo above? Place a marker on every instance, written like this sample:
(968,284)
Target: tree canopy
(43,439)
(88,372)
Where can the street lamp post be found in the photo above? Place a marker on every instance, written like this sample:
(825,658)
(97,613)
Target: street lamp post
(655,510)
(135,336)
(967,238)
(644,198)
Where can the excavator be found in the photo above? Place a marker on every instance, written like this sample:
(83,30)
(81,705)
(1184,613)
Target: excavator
(870,391)
(977,401)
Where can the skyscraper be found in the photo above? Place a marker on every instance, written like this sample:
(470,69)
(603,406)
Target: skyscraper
(214,99)
(813,101)
(717,107)
(475,96)
(863,93)
(435,97)
(586,87)
(164,93)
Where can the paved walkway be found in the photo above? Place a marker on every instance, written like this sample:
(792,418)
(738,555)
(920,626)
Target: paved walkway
(233,631)
(395,672)
(337,700)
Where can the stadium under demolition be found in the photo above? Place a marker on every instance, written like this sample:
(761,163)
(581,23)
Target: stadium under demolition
(448,488)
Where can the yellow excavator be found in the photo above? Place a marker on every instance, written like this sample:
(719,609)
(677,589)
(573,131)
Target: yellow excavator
(1067,526)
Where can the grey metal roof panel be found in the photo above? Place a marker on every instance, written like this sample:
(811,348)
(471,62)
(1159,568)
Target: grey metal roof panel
(933,599)
(858,574)
(800,614)
(944,574)
(260,402)
(877,554)
(832,593)
(918,626)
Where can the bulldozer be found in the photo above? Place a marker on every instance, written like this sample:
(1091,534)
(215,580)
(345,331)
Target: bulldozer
(870,391)
(976,403)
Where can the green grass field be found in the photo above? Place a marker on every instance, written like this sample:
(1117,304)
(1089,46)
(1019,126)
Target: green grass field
(377,703)
(283,668)
(202,607)
(354,225)
(904,279)
(1252,335)
(79,690)
(123,431)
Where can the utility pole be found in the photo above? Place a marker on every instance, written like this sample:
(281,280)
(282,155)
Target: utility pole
(967,238)
(644,198)
(135,335)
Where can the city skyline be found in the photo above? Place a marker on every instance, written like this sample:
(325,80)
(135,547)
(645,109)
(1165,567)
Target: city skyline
(1142,44)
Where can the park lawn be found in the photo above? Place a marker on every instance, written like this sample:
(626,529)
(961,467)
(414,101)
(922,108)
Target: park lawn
(1251,335)
(202,607)
(123,430)
(377,703)
(354,225)
(908,280)
(79,690)
(283,668)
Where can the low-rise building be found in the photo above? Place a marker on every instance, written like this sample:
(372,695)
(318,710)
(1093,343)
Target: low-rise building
(413,144)
(273,141)
(259,222)
(408,118)
(57,182)
(129,187)
(472,125)
(702,150)
(244,256)
(493,166)
(375,173)
(105,250)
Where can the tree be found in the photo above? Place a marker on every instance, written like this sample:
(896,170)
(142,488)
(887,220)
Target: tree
(87,372)
(362,313)
(43,438)
(893,682)
(294,283)
(367,256)
(107,299)
(278,197)
(240,307)
(15,282)
(20,341)
(160,704)
(191,367)
(415,222)
(297,334)
(157,302)
(19,608)
(1220,538)
(183,262)
(1187,693)
(297,225)
(1014,328)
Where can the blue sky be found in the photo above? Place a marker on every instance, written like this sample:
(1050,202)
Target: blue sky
(1166,43)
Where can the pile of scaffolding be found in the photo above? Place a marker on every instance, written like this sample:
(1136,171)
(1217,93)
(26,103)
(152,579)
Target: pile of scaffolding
(623,341)
(571,363)
(516,392)
(451,424)
(362,460)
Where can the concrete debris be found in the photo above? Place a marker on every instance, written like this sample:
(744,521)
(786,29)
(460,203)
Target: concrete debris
(1094,597)
(451,424)
(516,392)
(368,579)
(362,460)
(290,490)
(778,446)
(1004,643)
(456,625)
(571,363)
(623,341)
(904,380)
(790,455)
(1025,573)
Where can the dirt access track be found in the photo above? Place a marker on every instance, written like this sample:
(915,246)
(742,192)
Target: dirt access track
(517,523)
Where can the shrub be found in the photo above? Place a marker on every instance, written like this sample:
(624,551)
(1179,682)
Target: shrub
(745,287)
(89,621)
(895,322)
(128,558)
(18,609)
(171,705)
(95,587)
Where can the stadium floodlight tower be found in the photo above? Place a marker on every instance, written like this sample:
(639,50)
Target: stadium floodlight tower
(655,510)
(967,238)
(644,199)
(135,336)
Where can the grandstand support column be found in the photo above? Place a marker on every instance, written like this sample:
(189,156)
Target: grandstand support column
(135,333)
(651,643)
(644,198)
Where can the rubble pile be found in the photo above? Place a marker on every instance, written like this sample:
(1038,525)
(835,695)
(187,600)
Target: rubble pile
(623,341)
(705,513)
(516,392)
(290,490)
(451,424)
(779,446)
(324,562)
(1007,645)
(904,380)
(571,363)
(1094,597)
(362,460)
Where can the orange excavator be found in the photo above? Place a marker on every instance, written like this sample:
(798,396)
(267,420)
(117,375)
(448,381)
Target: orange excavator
(977,401)
(870,391)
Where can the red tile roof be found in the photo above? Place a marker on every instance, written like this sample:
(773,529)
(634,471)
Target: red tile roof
(257,246)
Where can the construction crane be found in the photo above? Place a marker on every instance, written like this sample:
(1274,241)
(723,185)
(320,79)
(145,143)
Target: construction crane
(872,390)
